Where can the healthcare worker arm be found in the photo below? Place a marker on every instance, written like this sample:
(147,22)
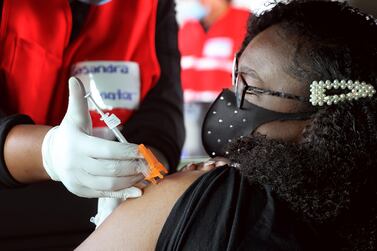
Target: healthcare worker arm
(164,102)
(86,165)
(21,145)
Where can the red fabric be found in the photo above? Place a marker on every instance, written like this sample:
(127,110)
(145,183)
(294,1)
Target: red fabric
(36,58)
(192,39)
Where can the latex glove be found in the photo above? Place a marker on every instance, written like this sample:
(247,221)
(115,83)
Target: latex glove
(107,205)
(88,166)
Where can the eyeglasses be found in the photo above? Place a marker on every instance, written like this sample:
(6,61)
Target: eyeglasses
(242,87)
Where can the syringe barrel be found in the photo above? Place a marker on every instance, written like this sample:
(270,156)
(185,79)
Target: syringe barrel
(119,135)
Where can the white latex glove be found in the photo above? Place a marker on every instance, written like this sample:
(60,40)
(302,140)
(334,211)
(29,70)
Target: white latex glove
(89,166)
(107,205)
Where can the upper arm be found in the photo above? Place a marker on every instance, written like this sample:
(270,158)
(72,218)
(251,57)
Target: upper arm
(136,224)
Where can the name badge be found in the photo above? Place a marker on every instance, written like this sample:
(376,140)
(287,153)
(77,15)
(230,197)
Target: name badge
(112,84)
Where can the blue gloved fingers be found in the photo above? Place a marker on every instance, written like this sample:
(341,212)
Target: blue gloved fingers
(107,149)
(107,183)
(112,168)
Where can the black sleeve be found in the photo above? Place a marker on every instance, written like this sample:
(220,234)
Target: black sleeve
(6,123)
(159,120)
(221,210)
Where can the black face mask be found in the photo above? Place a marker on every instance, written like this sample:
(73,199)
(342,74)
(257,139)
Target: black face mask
(224,122)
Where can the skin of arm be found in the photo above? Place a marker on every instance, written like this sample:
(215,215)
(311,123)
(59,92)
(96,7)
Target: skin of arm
(136,224)
(22,153)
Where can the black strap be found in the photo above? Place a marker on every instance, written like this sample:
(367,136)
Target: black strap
(79,14)
(6,124)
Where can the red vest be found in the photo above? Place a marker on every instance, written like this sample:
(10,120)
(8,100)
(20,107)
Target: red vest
(207,56)
(36,56)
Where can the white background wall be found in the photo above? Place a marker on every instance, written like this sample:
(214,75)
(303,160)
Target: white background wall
(257,6)
(254,5)
(194,113)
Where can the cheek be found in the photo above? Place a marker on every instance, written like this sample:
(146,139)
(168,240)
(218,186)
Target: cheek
(284,130)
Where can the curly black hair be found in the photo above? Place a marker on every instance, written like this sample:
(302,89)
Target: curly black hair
(334,41)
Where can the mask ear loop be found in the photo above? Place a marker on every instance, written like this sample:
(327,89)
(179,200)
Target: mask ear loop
(235,79)
(234,69)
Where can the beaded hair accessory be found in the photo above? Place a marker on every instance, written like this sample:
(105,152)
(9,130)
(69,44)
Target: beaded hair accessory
(356,90)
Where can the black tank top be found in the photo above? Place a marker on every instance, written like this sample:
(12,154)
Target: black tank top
(222,211)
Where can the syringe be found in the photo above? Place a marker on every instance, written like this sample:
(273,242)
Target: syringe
(154,170)
(111,121)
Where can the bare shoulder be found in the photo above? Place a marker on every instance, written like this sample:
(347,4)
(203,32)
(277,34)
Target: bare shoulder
(136,224)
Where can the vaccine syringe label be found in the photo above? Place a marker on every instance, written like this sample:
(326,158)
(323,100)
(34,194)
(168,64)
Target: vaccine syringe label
(112,121)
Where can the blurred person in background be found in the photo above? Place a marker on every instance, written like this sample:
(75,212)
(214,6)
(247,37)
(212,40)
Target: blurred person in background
(208,40)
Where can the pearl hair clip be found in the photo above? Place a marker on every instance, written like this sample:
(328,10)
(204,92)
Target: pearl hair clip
(356,90)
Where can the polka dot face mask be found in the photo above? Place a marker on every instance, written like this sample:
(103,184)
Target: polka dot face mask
(225,122)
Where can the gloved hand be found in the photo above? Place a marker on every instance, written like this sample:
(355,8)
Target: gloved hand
(105,207)
(89,166)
